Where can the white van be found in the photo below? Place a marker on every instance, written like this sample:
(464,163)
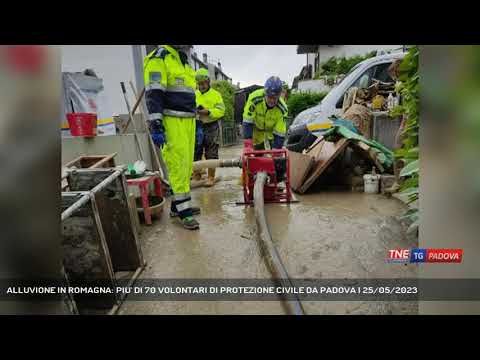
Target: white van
(311,122)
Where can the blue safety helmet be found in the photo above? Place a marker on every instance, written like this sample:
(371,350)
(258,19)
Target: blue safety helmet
(273,86)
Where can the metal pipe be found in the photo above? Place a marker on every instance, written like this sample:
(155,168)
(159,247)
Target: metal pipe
(216,163)
(107,181)
(75,206)
(271,256)
(68,212)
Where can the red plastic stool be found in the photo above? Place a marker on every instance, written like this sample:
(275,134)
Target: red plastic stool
(143,184)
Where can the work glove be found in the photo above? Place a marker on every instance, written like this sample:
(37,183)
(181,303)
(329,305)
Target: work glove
(278,141)
(199,135)
(159,139)
(158,132)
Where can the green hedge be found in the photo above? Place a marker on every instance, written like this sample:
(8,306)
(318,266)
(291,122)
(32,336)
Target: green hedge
(228,94)
(297,102)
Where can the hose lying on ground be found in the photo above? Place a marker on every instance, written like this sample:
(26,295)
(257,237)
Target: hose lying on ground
(216,163)
(270,254)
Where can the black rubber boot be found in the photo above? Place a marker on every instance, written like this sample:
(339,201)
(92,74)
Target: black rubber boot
(195,211)
(190,223)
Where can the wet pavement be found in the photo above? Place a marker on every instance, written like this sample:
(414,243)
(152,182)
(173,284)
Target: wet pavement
(326,235)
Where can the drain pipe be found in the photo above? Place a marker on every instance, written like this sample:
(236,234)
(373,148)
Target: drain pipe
(271,256)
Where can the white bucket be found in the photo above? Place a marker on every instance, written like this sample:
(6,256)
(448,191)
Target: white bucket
(371,183)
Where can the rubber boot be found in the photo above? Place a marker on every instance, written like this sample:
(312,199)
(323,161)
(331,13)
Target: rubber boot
(195,211)
(211,178)
(190,223)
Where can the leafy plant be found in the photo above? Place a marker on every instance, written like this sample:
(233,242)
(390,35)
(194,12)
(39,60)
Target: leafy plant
(227,90)
(297,102)
(408,88)
(331,80)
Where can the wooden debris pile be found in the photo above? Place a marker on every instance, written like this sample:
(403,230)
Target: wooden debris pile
(345,161)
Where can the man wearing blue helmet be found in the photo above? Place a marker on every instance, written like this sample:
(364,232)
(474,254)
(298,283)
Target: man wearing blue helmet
(264,124)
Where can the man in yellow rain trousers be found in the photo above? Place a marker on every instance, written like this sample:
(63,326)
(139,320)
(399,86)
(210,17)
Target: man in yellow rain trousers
(170,98)
(210,108)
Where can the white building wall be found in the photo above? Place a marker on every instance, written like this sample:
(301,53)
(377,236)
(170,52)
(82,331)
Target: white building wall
(112,63)
(311,61)
(313,86)
(350,50)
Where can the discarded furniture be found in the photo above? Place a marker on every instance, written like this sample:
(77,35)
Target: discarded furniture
(384,128)
(361,117)
(104,242)
(314,163)
(300,166)
(143,185)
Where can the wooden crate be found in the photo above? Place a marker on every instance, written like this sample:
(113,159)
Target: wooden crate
(86,257)
(89,162)
(93,161)
(115,214)
(115,224)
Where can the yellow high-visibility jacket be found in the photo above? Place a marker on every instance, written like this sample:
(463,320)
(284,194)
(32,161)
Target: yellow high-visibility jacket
(169,84)
(211,100)
(267,122)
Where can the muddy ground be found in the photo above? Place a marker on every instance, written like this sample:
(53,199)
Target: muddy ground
(326,235)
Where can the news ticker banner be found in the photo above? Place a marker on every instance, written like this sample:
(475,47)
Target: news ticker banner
(248,290)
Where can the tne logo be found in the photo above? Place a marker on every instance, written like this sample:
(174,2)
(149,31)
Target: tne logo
(425,256)
(398,256)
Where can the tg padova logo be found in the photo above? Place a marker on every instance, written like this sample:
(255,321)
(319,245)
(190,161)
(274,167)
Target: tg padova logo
(425,255)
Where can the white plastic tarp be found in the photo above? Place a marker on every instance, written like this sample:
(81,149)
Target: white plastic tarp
(84,93)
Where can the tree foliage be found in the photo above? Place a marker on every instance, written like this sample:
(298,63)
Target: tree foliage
(227,90)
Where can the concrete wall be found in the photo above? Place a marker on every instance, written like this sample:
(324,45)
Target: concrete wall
(313,86)
(112,63)
(123,145)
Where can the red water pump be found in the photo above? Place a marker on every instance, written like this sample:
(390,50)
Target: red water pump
(277,166)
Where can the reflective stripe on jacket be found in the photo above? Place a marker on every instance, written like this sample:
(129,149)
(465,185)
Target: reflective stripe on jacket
(169,84)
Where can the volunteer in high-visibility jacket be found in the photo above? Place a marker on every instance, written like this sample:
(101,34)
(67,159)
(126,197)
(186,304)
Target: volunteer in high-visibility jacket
(264,123)
(210,108)
(170,98)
